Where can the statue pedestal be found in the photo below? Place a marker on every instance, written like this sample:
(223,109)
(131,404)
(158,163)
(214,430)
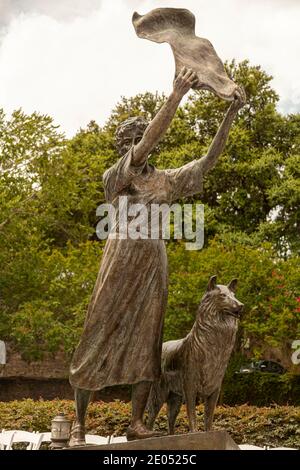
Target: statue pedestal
(214,440)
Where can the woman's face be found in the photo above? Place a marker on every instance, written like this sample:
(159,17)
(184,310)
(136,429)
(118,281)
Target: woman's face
(128,142)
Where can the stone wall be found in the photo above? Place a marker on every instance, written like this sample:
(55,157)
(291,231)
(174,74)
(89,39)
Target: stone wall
(52,367)
(47,379)
(49,389)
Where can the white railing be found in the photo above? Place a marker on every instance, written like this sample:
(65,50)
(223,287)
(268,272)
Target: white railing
(34,440)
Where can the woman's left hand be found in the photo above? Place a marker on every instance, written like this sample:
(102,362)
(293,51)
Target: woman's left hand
(239,99)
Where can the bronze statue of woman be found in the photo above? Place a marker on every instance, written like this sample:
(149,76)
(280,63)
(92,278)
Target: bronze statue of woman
(122,337)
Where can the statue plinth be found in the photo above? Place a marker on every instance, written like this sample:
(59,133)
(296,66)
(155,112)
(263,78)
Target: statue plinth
(213,440)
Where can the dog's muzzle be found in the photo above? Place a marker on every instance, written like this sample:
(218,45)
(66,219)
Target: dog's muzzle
(237,312)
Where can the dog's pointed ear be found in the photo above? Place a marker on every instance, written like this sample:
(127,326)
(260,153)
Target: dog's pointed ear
(212,283)
(233,285)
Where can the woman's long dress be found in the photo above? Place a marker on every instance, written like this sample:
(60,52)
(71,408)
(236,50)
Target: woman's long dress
(122,337)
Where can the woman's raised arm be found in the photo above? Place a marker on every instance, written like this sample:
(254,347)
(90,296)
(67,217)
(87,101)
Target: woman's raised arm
(219,141)
(160,123)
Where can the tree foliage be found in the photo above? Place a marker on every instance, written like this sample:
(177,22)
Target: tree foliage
(51,186)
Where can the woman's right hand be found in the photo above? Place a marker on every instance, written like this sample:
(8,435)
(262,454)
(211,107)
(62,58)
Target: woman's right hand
(239,99)
(184,81)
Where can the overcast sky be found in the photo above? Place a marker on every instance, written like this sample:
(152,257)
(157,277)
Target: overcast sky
(74,59)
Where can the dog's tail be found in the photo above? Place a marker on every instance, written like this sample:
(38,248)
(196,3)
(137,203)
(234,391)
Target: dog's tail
(156,394)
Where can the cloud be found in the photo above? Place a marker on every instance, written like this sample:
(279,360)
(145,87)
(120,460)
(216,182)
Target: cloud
(74,71)
(74,59)
(61,10)
(285,3)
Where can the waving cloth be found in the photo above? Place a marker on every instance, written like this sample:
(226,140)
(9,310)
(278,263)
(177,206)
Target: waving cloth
(176,26)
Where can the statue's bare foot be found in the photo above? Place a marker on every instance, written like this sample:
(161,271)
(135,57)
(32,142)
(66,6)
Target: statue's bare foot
(140,432)
(77,436)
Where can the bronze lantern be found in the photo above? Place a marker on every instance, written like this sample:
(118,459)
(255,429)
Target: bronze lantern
(60,431)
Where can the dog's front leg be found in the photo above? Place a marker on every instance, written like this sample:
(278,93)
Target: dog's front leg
(210,404)
(190,398)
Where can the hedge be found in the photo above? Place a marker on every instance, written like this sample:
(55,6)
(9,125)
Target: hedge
(261,389)
(273,426)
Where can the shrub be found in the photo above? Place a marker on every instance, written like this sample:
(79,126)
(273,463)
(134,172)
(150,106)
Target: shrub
(274,426)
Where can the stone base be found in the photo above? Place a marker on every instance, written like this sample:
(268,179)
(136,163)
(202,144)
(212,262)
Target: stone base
(214,440)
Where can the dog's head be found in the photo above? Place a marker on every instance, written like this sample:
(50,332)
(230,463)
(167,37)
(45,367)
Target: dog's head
(223,299)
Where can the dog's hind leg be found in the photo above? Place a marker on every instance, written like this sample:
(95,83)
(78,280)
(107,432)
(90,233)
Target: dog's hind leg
(156,399)
(153,412)
(174,403)
(209,408)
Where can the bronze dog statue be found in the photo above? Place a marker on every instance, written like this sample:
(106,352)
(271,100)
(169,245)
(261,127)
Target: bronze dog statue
(193,367)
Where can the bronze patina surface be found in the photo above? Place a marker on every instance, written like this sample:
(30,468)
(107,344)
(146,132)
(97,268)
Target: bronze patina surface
(121,341)
(176,26)
(193,367)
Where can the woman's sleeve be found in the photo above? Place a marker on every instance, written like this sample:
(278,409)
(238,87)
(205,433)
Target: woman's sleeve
(186,180)
(120,175)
